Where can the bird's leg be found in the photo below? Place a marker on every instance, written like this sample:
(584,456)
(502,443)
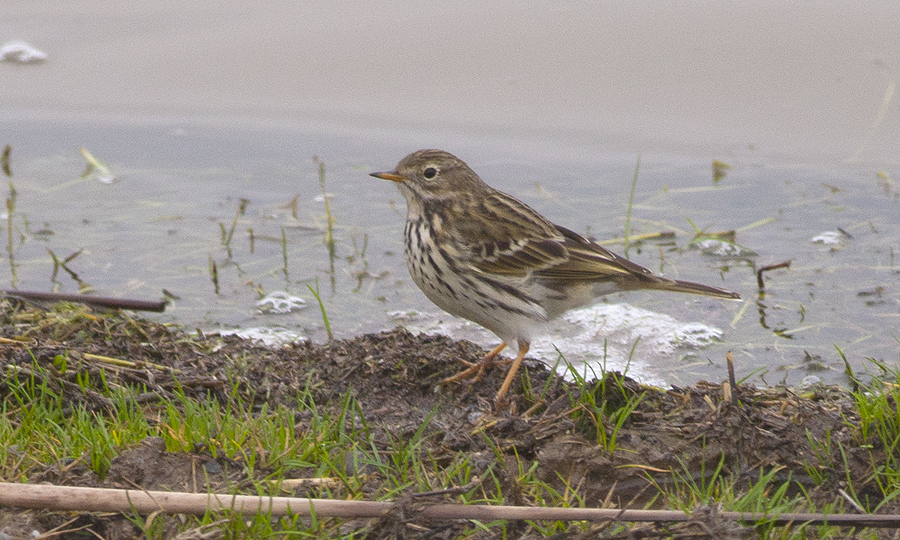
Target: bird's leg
(477,367)
(511,374)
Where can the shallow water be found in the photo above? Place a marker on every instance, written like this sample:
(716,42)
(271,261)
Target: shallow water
(195,113)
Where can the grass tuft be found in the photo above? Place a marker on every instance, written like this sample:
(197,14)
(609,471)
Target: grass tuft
(318,297)
(627,242)
(70,415)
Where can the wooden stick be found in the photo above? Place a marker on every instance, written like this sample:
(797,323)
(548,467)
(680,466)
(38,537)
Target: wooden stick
(729,359)
(101,301)
(67,498)
(759,273)
(83,499)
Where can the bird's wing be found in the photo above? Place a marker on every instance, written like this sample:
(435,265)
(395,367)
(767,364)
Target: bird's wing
(589,261)
(515,240)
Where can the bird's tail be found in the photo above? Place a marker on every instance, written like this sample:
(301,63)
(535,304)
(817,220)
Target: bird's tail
(675,285)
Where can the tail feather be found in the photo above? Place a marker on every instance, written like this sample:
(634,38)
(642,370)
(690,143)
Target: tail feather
(675,285)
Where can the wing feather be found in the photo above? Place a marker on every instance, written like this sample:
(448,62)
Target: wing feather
(517,241)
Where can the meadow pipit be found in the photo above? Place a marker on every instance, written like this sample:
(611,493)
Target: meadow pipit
(484,256)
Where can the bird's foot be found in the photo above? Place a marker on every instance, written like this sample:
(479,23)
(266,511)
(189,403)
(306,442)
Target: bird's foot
(478,368)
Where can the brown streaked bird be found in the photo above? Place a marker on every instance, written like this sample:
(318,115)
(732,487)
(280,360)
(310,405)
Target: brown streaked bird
(485,256)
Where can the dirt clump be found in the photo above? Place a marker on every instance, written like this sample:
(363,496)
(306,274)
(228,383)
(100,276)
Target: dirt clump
(550,424)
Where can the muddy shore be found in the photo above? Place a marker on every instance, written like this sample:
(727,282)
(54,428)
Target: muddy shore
(683,432)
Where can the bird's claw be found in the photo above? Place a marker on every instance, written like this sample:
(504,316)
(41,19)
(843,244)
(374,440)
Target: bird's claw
(478,368)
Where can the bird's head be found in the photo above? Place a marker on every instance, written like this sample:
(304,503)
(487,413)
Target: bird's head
(433,174)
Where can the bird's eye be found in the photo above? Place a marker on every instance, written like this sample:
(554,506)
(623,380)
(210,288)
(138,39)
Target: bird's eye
(430,172)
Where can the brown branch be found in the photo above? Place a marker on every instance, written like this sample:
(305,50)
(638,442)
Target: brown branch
(66,498)
(101,301)
(732,381)
(759,273)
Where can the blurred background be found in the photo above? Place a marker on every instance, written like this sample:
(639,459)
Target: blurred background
(227,126)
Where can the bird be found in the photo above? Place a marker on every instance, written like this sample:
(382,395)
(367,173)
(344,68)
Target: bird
(487,257)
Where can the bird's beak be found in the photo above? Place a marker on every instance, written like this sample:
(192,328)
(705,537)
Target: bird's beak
(392,176)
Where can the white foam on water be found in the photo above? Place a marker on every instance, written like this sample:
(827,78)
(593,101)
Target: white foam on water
(278,302)
(21,52)
(590,340)
(270,337)
(828,238)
